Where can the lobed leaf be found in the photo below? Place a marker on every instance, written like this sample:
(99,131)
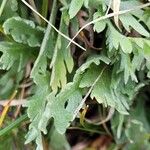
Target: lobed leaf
(61,61)
(12,53)
(24,31)
(103,90)
(129,21)
(75,6)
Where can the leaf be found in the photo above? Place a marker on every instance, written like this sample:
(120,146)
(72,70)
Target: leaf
(138,41)
(75,6)
(61,107)
(9,81)
(62,60)
(138,123)
(93,59)
(146,51)
(59,141)
(99,26)
(91,76)
(36,106)
(129,21)
(103,91)
(145,18)
(14,53)
(126,45)
(9,10)
(86,3)
(116,39)
(127,67)
(23,31)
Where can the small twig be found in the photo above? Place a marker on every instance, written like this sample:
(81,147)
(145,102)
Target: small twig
(88,93)
(14,102)
(28,69)
(32,3)
(21,96)
(25,85)
(106,17)
(109,116)
(63,35)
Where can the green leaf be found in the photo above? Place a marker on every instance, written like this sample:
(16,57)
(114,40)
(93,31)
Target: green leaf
(9,10)
(127,67)
(116,39)
(36,107)
(138,41)
(145,18)
(129,21)
(75,6)
(12,53)
(59,141)
(24,31)
(62,60)
(126,45)
(61,107)
(100,25)
(137,124)
(147,51)
(92,59)
(103,90)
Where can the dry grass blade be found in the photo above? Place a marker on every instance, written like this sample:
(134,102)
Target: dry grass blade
(14,102)
(63,35)
(108,16)
(32,3)
(116,6)
(5,110)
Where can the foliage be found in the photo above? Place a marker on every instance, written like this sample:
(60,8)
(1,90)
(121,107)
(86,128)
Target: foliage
(66,88)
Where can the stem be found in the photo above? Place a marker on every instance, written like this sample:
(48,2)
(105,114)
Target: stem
(44,10)
(52,20)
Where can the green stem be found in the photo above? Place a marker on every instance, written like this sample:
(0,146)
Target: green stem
(52,20)
(2,6)
(13,125)
(44,10)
